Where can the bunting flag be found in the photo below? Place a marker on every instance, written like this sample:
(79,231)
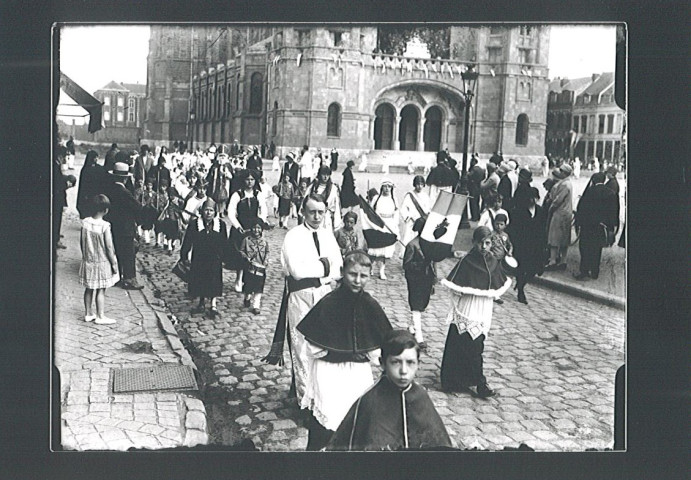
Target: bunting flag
(441,227)
(373,227)
(85,100)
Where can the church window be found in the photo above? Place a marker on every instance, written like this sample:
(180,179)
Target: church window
(121,101)
(333,121)
(337,38)
(522,129)
(256,84)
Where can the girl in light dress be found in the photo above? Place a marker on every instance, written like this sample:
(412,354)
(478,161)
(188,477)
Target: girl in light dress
(386,207)
(99,266)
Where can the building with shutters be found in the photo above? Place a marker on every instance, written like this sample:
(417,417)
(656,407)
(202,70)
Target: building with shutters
(584,121)
(123,109)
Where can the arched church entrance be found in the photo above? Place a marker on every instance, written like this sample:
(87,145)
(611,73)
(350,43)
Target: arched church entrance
(383,127)
(432,132)
(407,133)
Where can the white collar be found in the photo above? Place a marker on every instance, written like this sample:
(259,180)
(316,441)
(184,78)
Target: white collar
(216,224)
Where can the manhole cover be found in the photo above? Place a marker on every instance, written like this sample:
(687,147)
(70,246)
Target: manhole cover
(160,377)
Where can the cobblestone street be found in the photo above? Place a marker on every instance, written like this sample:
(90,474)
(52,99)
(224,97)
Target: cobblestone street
(552,362)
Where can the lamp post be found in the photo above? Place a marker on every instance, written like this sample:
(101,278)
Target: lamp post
(469,77)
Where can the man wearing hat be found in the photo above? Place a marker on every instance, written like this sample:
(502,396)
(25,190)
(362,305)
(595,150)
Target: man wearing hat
(159,173)
(123,214)
(559,217)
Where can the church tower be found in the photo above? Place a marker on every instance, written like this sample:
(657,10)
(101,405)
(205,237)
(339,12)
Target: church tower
(510,103)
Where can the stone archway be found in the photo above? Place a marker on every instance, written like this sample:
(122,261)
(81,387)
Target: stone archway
(408,129)
(432,129)
(383,127)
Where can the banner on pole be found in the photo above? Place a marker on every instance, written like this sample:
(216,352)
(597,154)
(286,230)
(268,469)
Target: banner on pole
(441,227)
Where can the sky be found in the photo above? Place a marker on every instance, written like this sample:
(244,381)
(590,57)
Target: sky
(93,56)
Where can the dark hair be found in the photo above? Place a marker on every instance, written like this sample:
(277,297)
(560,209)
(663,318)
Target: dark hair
(350,214)
(71,179)
(144,148)
(395,341)
(491,167)
(500,217)
(357,257)
(91,157)
(419,225)
(100,203)
(324,170)
(418,179)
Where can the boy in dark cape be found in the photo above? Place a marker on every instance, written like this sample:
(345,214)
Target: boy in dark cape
(396,413)
(345,330)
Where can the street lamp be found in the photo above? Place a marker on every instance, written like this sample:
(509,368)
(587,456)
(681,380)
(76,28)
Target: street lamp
(469,76)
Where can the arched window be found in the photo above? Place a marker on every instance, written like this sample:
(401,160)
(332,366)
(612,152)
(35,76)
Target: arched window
(333,121)
(256,93)
(522,129)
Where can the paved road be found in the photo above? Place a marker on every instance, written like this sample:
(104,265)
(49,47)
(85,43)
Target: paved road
(552,362)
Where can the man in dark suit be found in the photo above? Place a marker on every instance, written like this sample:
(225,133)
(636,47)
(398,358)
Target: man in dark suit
(123,214)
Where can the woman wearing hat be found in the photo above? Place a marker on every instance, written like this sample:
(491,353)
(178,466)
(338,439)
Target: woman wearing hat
(349,198)
(243,209)
(475,281)
(559,218)
(505,187)
(529,236)
(123,214)
(386,207)
(206,238)
(523,195)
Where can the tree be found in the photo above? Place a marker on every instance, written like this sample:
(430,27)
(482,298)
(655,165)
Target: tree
(392,40)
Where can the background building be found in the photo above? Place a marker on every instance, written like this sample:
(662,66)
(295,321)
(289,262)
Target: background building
(562,97)
(331,87)
(599,121)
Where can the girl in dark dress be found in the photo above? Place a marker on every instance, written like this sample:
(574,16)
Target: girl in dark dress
(348,197)
(243,209)
(528,232)
(206,238)
(420,277)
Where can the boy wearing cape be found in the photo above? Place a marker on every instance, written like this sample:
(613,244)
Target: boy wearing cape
(344,331)
(396,413)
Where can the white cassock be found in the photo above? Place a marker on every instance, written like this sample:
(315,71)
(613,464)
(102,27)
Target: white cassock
(410,213)
(306,166)
(300,260)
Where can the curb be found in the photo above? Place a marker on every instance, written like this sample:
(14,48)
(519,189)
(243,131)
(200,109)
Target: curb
(570,289)
(585,293)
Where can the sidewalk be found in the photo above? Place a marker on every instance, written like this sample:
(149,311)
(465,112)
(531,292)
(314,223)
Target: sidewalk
(92,417)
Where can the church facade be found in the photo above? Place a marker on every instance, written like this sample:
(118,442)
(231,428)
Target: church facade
(325,87)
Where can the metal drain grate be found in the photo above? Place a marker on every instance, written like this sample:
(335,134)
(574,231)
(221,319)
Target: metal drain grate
(160,377)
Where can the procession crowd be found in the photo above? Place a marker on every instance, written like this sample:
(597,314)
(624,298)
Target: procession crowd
(213,207)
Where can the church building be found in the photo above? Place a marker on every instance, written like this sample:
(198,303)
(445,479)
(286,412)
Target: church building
(331,86)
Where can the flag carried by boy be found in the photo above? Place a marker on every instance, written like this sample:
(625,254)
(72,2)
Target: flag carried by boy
(436,239)
(375,231)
